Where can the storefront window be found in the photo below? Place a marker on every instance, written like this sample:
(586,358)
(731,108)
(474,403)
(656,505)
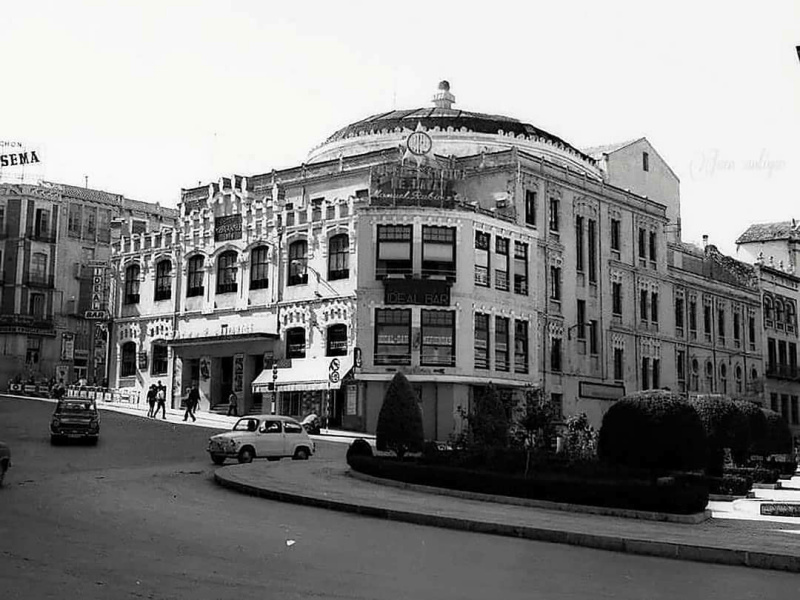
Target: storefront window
(501,359)
(438,338)
(392,337)
(481,341)
(159,362)
(128,366)
(520,346)
(337,340)
(439,251)
(296,343)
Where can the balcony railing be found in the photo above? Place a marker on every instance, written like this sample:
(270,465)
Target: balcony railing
(39,280)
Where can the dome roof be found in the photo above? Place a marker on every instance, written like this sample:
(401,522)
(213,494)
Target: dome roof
(443,118)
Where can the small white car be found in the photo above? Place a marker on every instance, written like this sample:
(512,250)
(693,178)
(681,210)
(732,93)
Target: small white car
(262,436)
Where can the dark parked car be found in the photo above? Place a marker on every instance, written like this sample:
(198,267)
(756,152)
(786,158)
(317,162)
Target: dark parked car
(75,418)
(5,460)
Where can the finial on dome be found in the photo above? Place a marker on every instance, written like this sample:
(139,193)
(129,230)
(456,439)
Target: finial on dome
(443,98)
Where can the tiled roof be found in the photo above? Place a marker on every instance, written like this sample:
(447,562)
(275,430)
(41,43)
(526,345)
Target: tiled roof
(598,151)
(767,232)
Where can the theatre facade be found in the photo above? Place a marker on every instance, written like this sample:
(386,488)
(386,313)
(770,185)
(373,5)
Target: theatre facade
(457,247)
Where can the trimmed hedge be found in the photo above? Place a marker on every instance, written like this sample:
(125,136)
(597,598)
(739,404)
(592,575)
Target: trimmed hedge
(678,494)
(729,485)
(358,447)
(725,426)
(783,467)
(755,474)
(655,429)
(756,429)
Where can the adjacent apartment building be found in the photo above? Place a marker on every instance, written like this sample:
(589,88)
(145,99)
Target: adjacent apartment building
(55,244)
(461,248)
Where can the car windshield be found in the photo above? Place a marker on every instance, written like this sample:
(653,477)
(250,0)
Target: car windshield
(246,425)
(74,406)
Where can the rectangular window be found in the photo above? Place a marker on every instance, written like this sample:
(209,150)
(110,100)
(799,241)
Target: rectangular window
(579,243)
(42,224)
(656,373)
(593,337)
(737,329)
(721,325)
(520,346)
(555,355)
(392,337)
(643,305)
(616,298)
(501,350)
(2,220)
(619,364)
(104,225)
(394,250)
(645,373)
(555,283)
(782,357)
(795,411)
(438,338)
(557,402)
(785,406)
(481,341)
(642,243)
(89,222)
(439,251)
(616,227)
(592,243)
(773,402)
(336,340)
(653,246)
(751,332)
(521,268)
(159,361)
(679,314)
(707,321)
(259,268)
(36,305)
(792,360)
(680,368)
(530,207)
(772,365)
(74,220)
(482,241)
(581,320)
(654,307)
(296,343)
(501,261)
(693,317)
(163,289)
(554,214)
(194,276)
(645,161)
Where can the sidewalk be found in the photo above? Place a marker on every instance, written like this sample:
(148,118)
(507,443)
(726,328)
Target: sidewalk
(327,484)
(207,420)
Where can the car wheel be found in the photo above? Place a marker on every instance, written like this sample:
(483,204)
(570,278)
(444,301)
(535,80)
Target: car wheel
(217,459)
(301,454)
(246,455)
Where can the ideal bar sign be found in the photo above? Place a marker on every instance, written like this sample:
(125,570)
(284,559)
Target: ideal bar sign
(427,292)
(98,291)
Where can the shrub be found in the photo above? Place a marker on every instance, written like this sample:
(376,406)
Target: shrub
(359,447)
(755,474)
(580,441)
(652,430)
(729,485)
(777,436)
(725,426)
(400,420)
(756,430)
(677,494)
(489,421)
(783,467)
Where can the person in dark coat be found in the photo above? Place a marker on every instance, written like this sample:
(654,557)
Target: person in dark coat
(161,400)
(233,405)
(192,401)
(151,400)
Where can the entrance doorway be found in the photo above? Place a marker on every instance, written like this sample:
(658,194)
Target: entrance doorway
(226,382)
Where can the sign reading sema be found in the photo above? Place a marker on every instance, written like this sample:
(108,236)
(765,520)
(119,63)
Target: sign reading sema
(19,158)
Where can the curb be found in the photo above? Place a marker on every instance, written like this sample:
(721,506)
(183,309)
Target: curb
(707,554)
(690,519)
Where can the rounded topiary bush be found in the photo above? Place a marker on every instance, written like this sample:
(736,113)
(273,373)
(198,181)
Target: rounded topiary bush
(725,426)
(654,429)
(400,420)
(756,430)
(359,447)
(777,436)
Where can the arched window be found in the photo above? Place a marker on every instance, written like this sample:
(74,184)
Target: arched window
(723,378)
(298,262)
(768,309)
(738,375)
(753,374)
(195,276)
(226,273)
(128,363)
(779,312)
(709,377)
(296,343)
(790,316)
(339,257)
(337,340)
(163,280)
(132,284)
(259,279)
(158,363)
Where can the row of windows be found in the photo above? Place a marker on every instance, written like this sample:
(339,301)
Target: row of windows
(782,359)
(497,266)
(89,223)
(395,251)
(227,270)
(437,339)
(780,313)
(787,407)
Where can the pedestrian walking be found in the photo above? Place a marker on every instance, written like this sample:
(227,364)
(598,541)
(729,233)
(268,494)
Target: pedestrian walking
(233,405)
(161,400)
(151,400)
(192,400)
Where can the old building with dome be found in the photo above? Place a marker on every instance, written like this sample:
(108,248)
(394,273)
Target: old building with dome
(461,248)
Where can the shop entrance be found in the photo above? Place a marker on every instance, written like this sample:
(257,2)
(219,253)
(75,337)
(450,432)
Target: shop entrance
(226,382)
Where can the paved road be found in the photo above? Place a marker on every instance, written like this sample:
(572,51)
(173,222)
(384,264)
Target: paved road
(139,516)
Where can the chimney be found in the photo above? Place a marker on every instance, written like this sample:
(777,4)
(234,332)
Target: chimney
(705,241)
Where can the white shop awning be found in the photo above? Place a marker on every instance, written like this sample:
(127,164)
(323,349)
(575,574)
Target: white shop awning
(306,374)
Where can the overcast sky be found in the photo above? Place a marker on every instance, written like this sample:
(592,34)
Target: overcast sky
(147,97)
